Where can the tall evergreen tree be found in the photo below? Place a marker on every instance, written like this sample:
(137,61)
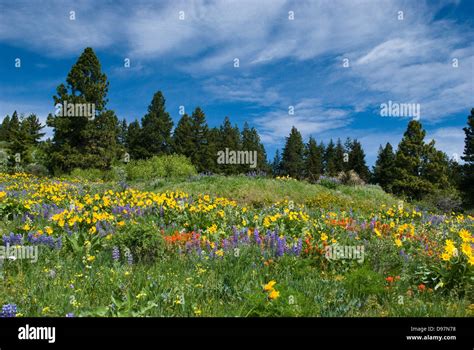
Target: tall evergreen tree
(330,167)
(31,127)
(276,164)
(293,155)
(229,138)
(339,151)
(156,128)
(75,142)
(122,134)
(467,182)
(357,161)
(133,142)
(383,173)
(5,129)
(408,163)
(183,137)
(203,157)
(251,142)
(313,160)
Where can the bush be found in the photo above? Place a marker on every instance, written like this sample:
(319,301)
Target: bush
(445,200)
(328,182)
(37,169)
(170,166)
(144,241)
(364,282)
(350,178)
(87,174)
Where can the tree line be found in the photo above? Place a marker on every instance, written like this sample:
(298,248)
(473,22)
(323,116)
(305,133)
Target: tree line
(414,169)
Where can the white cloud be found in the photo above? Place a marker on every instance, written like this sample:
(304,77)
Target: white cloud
(310,117)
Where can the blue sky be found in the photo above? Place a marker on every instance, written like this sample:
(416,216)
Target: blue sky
(282,62)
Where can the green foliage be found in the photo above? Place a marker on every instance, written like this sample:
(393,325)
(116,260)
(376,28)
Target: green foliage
(144,241)
(293,155)
(467,182)
(314,160)
(171,166)
(357,160)
(79,141)
(364,282)
(384,167)
(155,134)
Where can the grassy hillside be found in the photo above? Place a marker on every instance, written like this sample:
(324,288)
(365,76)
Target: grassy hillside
(264,191)
(228,246)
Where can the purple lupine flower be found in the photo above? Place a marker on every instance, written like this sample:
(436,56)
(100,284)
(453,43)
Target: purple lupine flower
(280,246)
(12,239)
(8,310)
(115,253)
(256,235)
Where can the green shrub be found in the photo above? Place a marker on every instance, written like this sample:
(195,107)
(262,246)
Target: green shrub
(170,166)
(144,241)
(364,282)
(37,169)
(87,174)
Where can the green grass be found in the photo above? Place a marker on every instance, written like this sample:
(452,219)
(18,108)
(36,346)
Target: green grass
(265,191)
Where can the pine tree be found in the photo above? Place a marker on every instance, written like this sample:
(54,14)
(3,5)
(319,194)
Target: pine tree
(330,168)
(203,157)
(435,167)
(5,129)
(339,151)
(31,127)
(251,142)
(122,135)
(19,142)
(467,182)
(133,141)
(313,160)
(357,161)
(75,142)
(293,155)
(229,137)
(276,164)
(183,137)
(156,128)
(383,173)
(408,163)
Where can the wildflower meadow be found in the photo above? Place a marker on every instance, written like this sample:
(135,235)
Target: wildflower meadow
(117,249)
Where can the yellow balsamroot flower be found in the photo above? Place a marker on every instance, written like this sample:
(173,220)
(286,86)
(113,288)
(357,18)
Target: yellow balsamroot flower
(220,252)
(324,237)
(273,295)
(269,286)
(471,260)
(466,249)
(377,232)
(212,229)
(48,230)
(465,235)
(449,248)
(446,256)
(398,242)
(2,195)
